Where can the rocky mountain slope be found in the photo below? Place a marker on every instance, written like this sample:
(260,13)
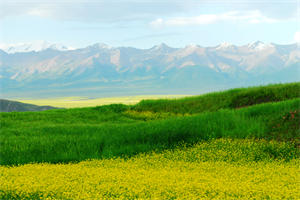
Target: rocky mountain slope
(101,70)
(14,106)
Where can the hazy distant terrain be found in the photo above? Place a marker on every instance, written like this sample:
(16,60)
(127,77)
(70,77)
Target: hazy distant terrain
(77,102)
(102,71)
(11,106)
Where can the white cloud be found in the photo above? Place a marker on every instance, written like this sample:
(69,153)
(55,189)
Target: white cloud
(41,12)
(90,10)
(202,19)
(252,17)
(124,10)
(297,37)
(157,23)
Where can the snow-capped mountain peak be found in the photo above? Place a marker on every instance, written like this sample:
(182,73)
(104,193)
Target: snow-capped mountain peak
(100,67)
(193,46)
(258,46)
(101,46)
(161,48)
(224,45)
(34,46)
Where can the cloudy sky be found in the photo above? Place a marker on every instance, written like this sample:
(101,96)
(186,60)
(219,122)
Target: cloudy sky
(144,23)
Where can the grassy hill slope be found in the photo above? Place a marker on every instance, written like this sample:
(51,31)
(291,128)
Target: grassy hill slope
(269,112)
(231,99)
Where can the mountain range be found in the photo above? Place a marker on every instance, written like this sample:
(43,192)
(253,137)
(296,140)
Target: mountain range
(51,70)
(15,106)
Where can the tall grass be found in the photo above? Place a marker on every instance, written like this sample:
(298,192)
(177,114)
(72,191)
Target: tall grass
(91,133)
(235,98)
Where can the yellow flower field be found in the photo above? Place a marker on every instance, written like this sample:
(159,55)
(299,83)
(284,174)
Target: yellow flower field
(78,102)
(166,175)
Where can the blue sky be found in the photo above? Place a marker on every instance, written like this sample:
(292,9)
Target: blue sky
(145,23)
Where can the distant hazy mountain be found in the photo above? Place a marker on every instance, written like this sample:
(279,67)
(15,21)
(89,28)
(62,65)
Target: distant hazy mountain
(35,46)
(12,106)
(101,70)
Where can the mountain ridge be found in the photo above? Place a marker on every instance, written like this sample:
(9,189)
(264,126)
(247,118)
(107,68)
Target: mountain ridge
(107,70)
(42,45)
(15,106)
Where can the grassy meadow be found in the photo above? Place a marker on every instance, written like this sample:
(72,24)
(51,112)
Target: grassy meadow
(237,144)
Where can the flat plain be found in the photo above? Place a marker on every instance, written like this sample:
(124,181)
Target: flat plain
(79,102)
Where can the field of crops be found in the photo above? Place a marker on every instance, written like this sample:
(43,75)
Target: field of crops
(237,144)
(79,102)
(221,169)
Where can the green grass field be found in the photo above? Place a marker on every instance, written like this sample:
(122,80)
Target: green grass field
(252,129)
(124,130)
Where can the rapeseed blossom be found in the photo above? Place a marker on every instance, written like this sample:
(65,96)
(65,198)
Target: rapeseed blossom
(183,173)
